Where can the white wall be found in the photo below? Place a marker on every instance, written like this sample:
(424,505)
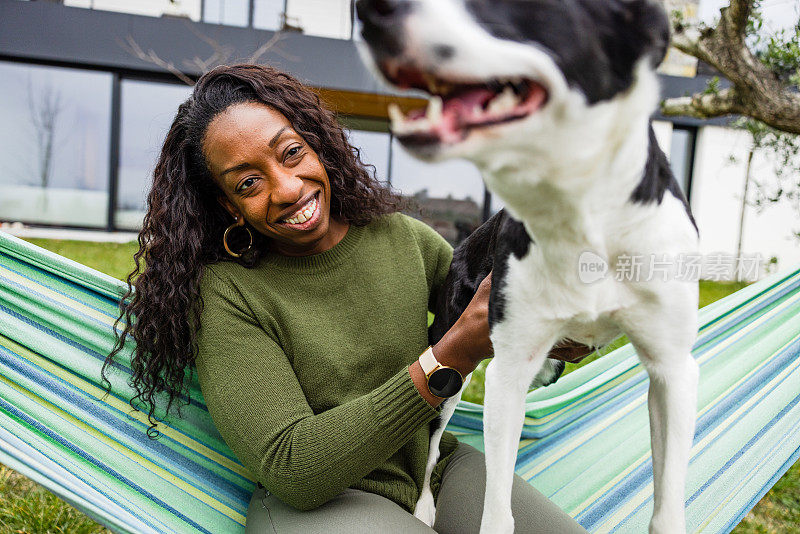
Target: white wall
(717,195)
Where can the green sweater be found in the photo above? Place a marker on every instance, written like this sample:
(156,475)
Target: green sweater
(303,363)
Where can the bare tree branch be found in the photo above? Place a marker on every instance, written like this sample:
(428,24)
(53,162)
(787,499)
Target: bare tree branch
(221,54)
(756,91)
(151,57)
(263,49)
(703,105)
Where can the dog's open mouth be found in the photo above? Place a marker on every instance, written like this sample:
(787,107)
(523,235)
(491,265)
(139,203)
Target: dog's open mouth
(455,108)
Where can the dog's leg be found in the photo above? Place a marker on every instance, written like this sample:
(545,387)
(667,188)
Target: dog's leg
(663,338)
(672,401)
(516,361)
(425,510)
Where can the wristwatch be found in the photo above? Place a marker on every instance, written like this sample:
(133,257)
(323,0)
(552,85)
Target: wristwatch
(443,381)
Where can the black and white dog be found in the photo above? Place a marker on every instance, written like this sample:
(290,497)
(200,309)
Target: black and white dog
(551,99)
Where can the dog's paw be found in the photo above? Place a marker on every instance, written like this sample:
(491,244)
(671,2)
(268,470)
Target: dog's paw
(497,525)
(661,524)
(425,510)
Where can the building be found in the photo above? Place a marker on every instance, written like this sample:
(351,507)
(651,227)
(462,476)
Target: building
(85,111)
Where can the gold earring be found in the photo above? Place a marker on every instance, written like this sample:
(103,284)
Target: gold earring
(225,239)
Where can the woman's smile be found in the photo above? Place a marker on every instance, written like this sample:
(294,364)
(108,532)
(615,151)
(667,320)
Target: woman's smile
(306,217)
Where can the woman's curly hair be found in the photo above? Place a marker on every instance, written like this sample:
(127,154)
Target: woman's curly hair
(184,222)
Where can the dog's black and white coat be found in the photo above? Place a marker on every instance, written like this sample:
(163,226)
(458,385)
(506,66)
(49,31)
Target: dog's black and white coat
(551,99)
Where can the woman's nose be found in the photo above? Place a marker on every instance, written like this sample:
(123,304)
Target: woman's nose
(286,188)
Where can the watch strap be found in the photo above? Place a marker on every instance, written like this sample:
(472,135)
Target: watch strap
(428,362)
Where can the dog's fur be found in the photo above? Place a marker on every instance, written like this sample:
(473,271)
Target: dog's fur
(581,173)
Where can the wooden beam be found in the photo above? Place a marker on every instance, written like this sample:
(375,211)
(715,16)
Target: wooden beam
(367,104)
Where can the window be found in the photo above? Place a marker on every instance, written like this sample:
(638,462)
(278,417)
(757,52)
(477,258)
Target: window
(230,12)
(325,18)
(268,14)
(448,195)
(371,137)
(153,8)
(54,145)
(681,156)
(148,110)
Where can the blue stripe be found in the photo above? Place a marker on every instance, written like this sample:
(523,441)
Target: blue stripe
(64,472)
(760,494)
(641,475)
(83,290)
(24,290)
(756,307)
(83,404)
(60,337)
(66,444)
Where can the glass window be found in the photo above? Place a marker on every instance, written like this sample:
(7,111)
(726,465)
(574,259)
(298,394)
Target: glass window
(680,156)
(153,8)
(325,18)
(374,147)
(448,195)
(148,110)
(54,145)
(230,12)
(268,14)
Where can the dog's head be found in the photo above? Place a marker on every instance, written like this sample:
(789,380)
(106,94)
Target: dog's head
(503,71)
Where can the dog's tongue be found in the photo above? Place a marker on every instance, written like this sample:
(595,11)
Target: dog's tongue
(461,103)
(466,101)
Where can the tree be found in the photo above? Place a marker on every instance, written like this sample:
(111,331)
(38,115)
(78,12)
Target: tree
(219,56)
(44,107)
(763,71)
(764,75)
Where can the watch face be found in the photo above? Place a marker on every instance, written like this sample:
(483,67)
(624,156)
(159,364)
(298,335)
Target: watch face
(445,382)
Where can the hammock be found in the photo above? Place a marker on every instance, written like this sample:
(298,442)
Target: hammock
(585,442)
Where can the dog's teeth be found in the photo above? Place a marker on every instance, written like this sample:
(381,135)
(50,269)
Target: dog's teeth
(431,81)
(505,101)
(396,116)
(434,112)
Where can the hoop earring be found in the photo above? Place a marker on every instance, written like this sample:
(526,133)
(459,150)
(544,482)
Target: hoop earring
(225,239)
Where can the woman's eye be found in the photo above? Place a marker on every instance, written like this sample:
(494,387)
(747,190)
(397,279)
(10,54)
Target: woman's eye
(292,151)
(246,183)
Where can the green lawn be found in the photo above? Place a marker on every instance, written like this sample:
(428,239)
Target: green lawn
(27,508)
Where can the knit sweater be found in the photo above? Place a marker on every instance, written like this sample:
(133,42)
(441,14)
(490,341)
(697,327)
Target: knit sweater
(303,363)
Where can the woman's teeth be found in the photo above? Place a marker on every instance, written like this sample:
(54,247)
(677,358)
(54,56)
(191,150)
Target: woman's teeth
(304,214)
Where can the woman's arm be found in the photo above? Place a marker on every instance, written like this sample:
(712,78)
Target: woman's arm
(262,413)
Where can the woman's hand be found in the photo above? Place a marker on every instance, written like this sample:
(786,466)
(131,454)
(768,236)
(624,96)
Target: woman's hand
(569,351)
(467,342)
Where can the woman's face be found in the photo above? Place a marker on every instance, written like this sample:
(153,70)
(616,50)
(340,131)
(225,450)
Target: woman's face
(270,176)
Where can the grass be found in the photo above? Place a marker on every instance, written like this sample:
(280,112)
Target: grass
(27,508)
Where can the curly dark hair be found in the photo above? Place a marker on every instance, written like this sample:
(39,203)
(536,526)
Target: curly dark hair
(184,222)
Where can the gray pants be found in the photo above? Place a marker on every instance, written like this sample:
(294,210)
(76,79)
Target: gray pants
(458,508)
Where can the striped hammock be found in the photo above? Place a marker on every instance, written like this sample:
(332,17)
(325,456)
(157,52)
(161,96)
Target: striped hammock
(585,442)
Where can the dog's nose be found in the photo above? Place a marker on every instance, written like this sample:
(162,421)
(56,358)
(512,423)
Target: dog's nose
(383,8)
(382,22)
(382,13)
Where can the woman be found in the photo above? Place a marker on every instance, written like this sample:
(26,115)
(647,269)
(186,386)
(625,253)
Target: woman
(278,266)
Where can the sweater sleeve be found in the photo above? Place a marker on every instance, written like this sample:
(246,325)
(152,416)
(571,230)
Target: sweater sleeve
(259,408)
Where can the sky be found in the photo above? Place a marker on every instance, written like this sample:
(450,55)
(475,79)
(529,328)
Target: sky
(777,13)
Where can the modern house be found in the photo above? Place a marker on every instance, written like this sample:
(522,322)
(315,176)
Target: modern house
(88,89)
